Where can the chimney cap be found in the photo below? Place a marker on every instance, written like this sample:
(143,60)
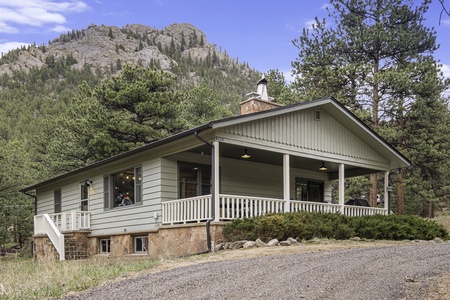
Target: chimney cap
(263,80)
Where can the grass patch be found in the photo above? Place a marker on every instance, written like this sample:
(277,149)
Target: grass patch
(25,279)
(305,226)
(444,220)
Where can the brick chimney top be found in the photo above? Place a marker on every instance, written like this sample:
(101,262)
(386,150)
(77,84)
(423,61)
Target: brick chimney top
(258,101)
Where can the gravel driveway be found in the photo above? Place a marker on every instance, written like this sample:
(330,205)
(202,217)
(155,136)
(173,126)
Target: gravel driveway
(370,273)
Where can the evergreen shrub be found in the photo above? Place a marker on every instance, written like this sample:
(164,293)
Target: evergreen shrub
(306,225)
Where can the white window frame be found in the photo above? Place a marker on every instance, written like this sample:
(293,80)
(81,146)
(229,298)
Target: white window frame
(108,193)
(57,201)
(144,244)
(84,189)
(108,245)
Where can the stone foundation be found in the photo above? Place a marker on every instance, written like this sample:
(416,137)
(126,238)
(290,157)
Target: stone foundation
(43,249)
(182,240)
(167,241)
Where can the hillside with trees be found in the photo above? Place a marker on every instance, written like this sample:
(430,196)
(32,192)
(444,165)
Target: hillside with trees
(62,104)
(96,92)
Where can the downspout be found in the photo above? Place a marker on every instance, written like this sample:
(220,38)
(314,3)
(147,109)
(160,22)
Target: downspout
(35,213)
(213,192)
(35,201)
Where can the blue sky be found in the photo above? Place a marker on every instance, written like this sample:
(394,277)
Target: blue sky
(258,32)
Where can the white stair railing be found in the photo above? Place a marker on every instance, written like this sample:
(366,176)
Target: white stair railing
(43,224)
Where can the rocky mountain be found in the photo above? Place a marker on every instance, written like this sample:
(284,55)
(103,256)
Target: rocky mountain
(39,81)
(107,48)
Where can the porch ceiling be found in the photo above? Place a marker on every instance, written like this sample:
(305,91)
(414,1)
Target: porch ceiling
(272,158)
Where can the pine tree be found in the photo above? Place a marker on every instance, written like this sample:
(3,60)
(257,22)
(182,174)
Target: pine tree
(360,59)
(141,106)
(202,105)
(110,33)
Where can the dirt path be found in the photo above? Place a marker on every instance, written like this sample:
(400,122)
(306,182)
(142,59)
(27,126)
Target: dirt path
(345,270)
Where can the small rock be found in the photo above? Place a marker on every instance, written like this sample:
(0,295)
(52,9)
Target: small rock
(239,244)
(249,244)
(292,240)
(260,243)
(438,240)
(229,245)
(285,243)
(272,243)
(219,247)
(355,239)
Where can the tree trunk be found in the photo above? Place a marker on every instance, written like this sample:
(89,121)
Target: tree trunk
(400,194)
(373,189)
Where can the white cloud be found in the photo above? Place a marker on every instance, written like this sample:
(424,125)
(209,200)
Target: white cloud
(292,27)
(7,29)
(446,73)
(445,70)
(5,47)
(36,13)
(309,24)
(60,29)
(446,21)
(288,76)
(325,6)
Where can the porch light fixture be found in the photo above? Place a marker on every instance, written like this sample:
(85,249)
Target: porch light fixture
(322,167)
(245,155)
(88,182)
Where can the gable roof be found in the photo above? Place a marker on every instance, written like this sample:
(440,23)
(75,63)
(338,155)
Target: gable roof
(331,105)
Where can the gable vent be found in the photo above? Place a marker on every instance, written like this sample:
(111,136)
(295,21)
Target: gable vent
(317,115)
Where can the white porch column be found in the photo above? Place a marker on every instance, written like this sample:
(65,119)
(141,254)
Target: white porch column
(286,183)
(216,181)
(341,188)
(386,184)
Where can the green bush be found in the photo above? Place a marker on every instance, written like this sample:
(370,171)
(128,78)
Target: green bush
(305,225)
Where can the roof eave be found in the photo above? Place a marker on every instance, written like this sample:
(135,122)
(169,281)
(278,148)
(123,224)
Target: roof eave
(122,155)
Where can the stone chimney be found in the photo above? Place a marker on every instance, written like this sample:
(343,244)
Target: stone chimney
(258,101)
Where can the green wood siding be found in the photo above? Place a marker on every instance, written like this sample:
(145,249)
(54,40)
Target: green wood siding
(301,132)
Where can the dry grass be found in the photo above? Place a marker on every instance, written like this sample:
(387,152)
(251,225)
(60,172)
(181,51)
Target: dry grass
(444,219)
(25,279)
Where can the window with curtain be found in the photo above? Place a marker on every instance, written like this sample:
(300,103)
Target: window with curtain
(123,188)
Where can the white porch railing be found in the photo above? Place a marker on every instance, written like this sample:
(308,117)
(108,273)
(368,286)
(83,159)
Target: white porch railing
(357,211)
(198,209)
(72,221)
(314,206)
(194,209)
(43,224)
(235,207)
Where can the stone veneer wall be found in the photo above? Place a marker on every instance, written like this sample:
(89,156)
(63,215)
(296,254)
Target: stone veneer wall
(167,241)
(183,239)
(43,249)
(255,105)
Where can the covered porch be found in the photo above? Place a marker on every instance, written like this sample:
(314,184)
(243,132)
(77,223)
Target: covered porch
(273,182)
(229,207)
